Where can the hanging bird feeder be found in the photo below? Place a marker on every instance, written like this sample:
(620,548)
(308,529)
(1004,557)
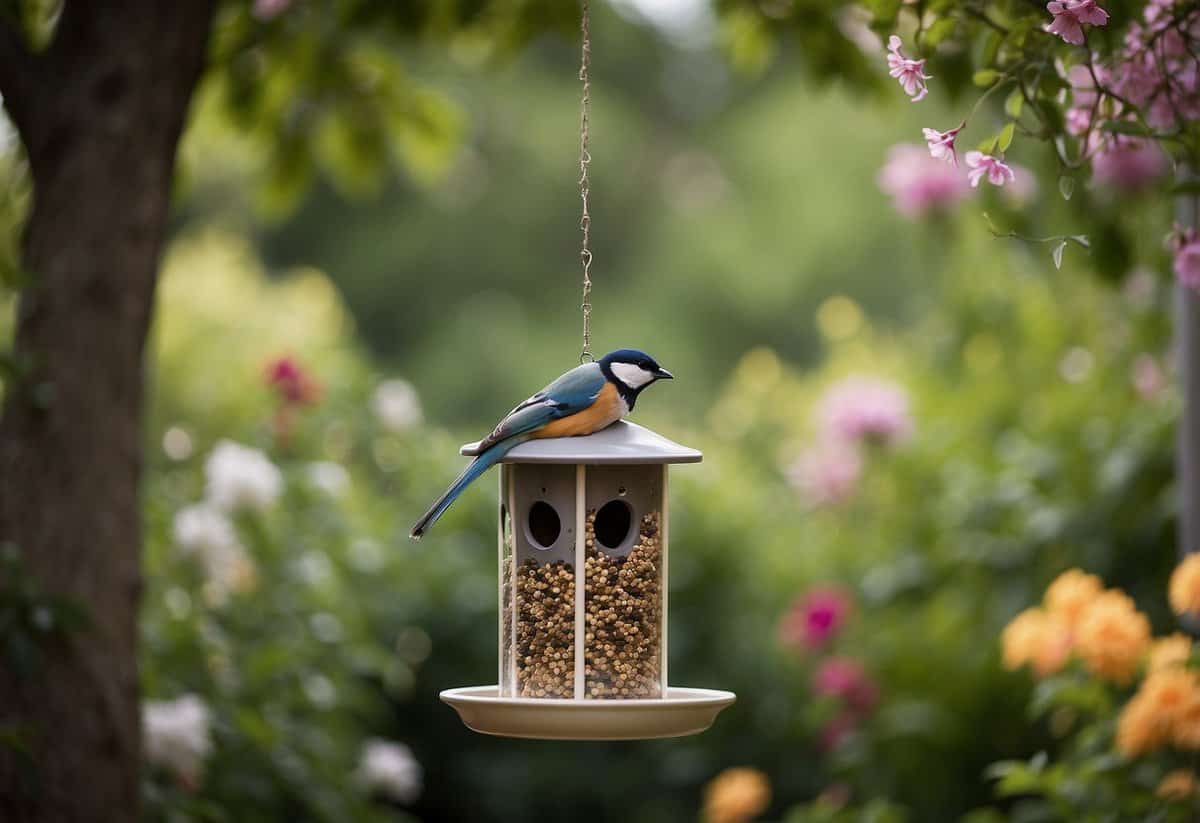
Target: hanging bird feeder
(583,594)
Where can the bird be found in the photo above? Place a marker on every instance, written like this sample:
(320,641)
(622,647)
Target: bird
(582,401)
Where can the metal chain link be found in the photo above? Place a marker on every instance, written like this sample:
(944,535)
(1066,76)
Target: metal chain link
(585,158)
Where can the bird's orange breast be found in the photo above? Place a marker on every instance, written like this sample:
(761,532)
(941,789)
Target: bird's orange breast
(606,410)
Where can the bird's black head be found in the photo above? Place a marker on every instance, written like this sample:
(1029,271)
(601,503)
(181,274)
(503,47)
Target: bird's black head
(631,371)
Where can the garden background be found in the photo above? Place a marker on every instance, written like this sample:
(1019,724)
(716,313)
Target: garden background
(349,310)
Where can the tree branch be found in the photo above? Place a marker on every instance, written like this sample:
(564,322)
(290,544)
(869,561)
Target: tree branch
(20,73)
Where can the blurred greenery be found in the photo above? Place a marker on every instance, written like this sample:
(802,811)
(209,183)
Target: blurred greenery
(739,236)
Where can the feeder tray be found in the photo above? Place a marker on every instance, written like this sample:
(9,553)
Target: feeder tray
(583,541)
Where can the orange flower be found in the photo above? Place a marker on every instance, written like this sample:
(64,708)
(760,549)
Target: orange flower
(1071,593)
(1184,588)
(1138,730)
(1038,638)
(1177,785)
(1169,692)
(736,796)
(1112,636)
(1166,652)
(1186,731)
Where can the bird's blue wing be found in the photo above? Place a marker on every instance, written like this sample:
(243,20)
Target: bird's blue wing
(569,394)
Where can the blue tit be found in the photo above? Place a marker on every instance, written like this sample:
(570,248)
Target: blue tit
(584,400)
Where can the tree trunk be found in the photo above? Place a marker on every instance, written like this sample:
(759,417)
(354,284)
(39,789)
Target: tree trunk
(100,112)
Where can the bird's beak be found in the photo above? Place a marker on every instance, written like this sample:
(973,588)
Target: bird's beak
(663,374)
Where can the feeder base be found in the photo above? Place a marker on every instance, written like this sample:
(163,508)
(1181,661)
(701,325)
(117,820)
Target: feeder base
(681,712)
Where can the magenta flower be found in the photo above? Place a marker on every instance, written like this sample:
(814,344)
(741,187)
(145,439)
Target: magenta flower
(997,171)
(919,184)
(1128,163)
(814,619)
(1187,259)
(941,144)
(845,679)
(291,382)
(826,475)
(1069,17)
(869,409)
(910,73)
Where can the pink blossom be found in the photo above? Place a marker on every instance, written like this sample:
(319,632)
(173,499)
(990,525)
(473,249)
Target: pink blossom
(941,144)
(846,679)
(827,475)
(865,408)
(1148,378)
(814,619)
(1187,260)
(1069,15)
(269,9)
(910,73)
(292,382)
(997,171)
(920,185)
(1128,163)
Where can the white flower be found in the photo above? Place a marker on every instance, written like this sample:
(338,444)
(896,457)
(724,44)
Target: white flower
(391,769)
(397,405)
(176,736)
(204,532)
(329,477)
(241,477)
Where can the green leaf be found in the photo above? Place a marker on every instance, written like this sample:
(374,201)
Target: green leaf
(939,31)
(1123,127)
(1014,103)
(1082,240)
(988,144)
(985,77)
(1066,186)
(1186,187)
(1005,137)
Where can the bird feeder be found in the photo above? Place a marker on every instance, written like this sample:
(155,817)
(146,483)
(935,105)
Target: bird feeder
(583,538)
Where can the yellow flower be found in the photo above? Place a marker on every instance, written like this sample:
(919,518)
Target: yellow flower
(1071,593)
(1177,785)
(1138,730)
(1166,652)
(1112,636)
(1184,588)
(736,796)
(1038,638)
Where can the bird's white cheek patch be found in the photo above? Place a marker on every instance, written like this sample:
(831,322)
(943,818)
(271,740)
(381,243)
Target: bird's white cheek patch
(632,376)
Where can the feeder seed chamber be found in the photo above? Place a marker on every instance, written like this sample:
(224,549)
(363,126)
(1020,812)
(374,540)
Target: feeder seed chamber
(583,594)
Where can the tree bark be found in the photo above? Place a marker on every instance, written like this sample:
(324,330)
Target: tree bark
(100,113)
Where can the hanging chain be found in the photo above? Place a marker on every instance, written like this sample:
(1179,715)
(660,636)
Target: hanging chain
(585,158)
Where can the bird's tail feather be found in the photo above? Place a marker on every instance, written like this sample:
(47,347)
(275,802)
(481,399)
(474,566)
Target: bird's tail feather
(477,467)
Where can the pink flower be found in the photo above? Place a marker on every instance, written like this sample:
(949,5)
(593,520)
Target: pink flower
(291,382)
(826,475)
(1148,378)
(941,144)
(269,9)
(1187,259)
(1069,15)
(910,73)
(1023,187)
(997,171)
(846,679)
(865,408)
(1128,163)
(919,184)
(815,618)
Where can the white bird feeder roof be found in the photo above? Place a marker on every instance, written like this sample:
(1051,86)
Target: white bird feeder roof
(622,443)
